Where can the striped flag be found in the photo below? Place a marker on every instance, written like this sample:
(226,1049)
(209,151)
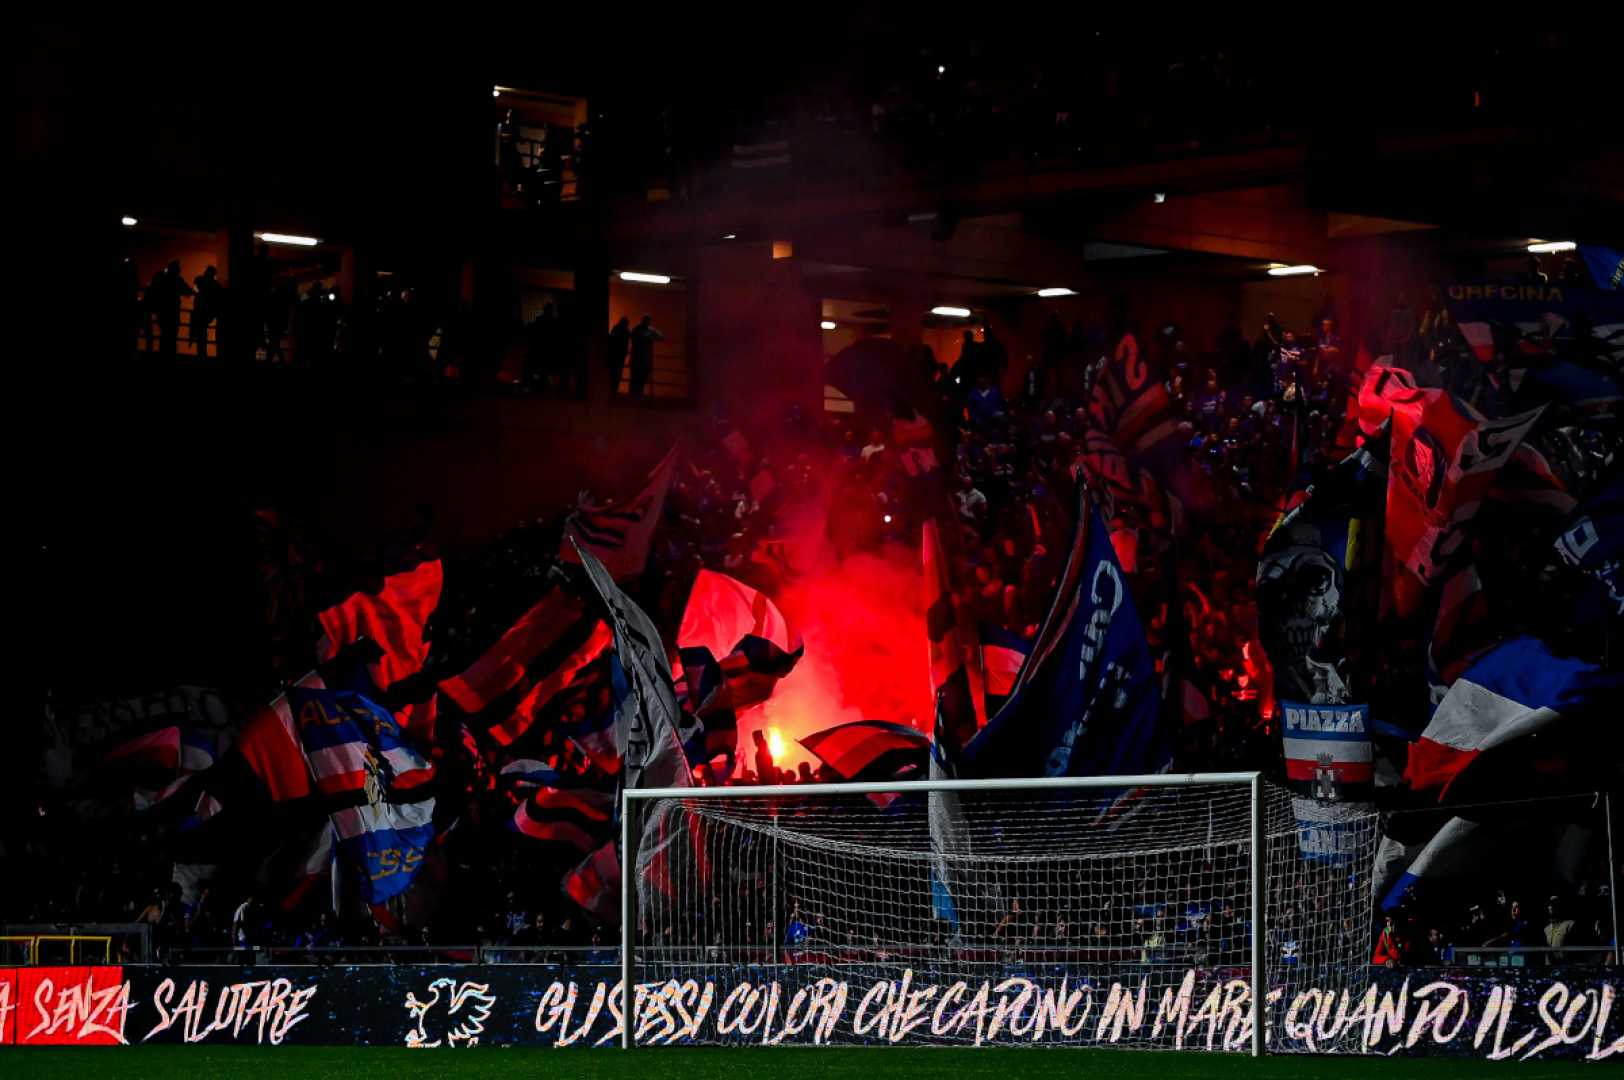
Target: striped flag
(394,619)
(1518,689)
(269,746)
(722,611)
(562,812)
(525,773)
(872,750)
(728,619)
(194,753)
(376,785)
(353,747)
(618,535)
(572,670)
(1002,655)
(554,625)
(595,885)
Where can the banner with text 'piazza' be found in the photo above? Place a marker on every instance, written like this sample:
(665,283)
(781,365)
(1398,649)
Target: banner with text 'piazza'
(1493,1014)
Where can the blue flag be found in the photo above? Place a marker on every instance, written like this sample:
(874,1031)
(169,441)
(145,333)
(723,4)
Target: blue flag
(1087,700)
(1593,544)
(377,785)
(1606,265)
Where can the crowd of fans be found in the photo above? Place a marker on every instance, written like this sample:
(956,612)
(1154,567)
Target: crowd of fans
(1254,418)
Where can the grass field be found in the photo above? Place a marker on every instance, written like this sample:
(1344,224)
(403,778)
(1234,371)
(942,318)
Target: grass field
(781,1063)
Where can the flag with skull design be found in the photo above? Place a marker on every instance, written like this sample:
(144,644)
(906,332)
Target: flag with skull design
(1317,586)
(1319,571)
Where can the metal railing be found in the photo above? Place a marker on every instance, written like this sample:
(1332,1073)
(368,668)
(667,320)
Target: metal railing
(348,955)
(1517,956)
(80,943)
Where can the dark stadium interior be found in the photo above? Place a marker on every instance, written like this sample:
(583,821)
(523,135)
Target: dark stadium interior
(336,330)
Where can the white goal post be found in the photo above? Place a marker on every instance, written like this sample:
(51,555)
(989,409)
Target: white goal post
(1167,878)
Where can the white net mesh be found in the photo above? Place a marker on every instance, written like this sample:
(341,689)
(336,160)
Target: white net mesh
(1091,917)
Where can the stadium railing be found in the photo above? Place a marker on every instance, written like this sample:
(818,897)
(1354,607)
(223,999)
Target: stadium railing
(1534,956)
(77,943)
(322,955)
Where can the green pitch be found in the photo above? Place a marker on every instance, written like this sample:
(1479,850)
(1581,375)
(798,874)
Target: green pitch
(718,1063)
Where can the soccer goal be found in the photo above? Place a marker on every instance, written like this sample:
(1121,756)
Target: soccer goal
(1135,911)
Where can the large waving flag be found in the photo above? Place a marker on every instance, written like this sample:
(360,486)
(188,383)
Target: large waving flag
(1443,457)
(394,619)
(563,811)
(872,750)
(728,619)
(618,534)
(1517,690)
(595,884)
(1003,654)
(723,611)
(650,731)
(1528,317)
(269,747)
(194,753)
(531,649)
(1087,702)
(376,784)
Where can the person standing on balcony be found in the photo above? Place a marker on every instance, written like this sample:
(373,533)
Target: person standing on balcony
(163,300)
(642,349)
(204,310)
(620,340)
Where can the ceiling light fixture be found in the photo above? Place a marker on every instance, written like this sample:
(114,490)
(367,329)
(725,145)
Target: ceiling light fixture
(1294,271)
(1057,290)
(288,238)
(1550,247)
(647,279)
(951,312)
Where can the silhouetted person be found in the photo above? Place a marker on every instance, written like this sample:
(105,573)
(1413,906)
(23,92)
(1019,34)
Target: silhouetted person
(620,341)
(966,367)
(643,339)
(163,301)
(205,308)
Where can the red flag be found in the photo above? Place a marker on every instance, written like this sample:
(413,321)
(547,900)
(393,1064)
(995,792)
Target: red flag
(505,663)
(722,610)
(394,619)
(548,686)
(595,884)
(1444,457)
(269,743)
(618,534)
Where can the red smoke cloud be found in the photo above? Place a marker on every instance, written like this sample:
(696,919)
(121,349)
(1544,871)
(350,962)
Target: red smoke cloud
(866,653)
(861,618)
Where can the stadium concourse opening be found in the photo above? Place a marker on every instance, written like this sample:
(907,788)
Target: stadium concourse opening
(586,530)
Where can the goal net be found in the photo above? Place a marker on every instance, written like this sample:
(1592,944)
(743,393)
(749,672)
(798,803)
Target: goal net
(1087,916)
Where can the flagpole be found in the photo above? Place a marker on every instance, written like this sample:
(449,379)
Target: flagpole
(1612,873)
(627,883)
(1259,981)
(772,919)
